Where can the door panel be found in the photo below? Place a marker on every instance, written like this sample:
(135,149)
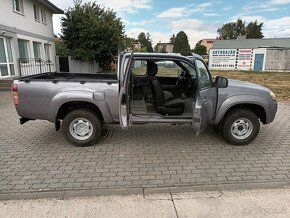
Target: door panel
(124,68)
(208,105)
(259,59)
(206,99)
(63,64)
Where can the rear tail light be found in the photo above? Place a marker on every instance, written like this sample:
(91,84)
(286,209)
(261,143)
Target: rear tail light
(15,97)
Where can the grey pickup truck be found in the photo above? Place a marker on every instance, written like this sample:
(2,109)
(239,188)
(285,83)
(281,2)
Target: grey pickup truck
(148,88)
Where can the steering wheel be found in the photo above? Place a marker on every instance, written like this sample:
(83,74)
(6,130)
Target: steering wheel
(181,80)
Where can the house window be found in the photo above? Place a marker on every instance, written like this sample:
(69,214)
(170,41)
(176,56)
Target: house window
(6,58)
(36,12)
(18,6)
(43,16)
(23,50)
(47,52)
(36,50)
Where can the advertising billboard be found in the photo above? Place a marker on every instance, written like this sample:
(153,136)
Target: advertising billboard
(244,60)
(222,59)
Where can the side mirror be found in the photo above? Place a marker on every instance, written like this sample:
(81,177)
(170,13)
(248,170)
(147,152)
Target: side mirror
(221,82)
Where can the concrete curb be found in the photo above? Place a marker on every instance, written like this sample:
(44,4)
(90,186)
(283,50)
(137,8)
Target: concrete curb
(67,194)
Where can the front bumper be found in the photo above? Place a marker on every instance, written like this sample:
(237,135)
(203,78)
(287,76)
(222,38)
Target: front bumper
(272,112)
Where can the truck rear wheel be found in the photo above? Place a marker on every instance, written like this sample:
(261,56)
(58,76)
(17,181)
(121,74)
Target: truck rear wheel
(81,127)
(240,127)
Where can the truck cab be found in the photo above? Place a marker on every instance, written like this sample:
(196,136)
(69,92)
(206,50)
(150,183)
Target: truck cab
(164,88)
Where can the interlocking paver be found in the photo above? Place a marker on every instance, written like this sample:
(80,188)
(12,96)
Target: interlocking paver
(33,157)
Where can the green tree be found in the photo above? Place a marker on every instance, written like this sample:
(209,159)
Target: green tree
(181,44)
(145,41)
(254,30)
(92,33)
(156,48)
(232,30)
(172,38)
(200,49)
(128,42)
(60,48)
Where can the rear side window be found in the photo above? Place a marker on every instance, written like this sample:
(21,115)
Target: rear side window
(167,69)
(139,68)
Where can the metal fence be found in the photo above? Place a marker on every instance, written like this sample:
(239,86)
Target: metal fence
(33,66)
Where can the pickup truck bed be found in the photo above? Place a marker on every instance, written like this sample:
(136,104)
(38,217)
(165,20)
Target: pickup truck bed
(106,77)
(47,92)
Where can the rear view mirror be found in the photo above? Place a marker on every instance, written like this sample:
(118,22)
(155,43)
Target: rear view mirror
(221,82)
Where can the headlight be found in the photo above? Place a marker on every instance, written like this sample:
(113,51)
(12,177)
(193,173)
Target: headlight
(272,95)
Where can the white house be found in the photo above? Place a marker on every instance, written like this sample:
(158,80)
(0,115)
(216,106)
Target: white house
(26,35)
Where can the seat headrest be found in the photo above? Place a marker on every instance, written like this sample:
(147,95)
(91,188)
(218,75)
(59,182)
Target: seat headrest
(152,68)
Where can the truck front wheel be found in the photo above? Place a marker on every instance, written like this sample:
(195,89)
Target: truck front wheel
(240,127)
(81,127)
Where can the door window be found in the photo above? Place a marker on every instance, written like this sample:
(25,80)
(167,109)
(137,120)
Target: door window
(191,70)
(204,78)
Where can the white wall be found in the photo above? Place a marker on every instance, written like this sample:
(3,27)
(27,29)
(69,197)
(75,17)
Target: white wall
(26,21)
(76,66)
(33,39)
(24,26)
(277,60)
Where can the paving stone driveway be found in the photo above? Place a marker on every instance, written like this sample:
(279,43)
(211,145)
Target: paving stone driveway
(33,157)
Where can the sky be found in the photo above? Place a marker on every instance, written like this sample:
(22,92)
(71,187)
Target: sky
(198,19)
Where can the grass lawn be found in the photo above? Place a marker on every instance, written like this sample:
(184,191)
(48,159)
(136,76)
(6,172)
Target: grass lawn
(278,82)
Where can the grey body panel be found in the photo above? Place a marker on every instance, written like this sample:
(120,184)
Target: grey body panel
(42,98)
(240,92)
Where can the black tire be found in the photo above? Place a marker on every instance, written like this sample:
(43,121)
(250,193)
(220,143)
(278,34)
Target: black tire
(216,128)
(237,117)
(92,121)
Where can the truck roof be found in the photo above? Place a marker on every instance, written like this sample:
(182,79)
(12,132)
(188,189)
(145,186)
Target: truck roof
(164,55)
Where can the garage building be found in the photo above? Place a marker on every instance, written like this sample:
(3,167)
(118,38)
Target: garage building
(251,54)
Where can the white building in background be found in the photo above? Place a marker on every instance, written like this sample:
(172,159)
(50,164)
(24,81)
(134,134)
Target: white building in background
(26,32)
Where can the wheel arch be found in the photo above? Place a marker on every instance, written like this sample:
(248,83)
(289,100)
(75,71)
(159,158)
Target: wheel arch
(67,107)
(257,109)
(65,102)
